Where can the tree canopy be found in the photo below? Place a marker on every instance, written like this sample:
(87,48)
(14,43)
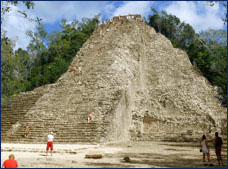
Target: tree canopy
(47,57)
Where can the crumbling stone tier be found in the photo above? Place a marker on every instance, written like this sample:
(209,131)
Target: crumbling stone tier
(137,84)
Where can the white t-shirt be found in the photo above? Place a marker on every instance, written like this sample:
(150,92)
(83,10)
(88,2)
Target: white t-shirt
(50,137)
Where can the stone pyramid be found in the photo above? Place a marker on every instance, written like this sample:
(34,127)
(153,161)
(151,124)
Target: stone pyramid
(137,84)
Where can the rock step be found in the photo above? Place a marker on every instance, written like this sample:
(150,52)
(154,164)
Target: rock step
(59,133)
(68,125)
(84,123)
(72,137)
(19,105)
(77,141)
(95,134)
(69,130)
(18,134)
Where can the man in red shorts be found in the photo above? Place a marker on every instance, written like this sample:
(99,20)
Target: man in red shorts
(218,146)
(50,139)
(11,163)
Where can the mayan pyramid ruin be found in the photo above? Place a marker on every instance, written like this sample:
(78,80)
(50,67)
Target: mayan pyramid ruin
(137,84)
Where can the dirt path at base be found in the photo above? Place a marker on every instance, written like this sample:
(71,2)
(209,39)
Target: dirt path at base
(141,154)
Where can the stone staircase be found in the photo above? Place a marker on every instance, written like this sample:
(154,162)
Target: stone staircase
(70,126)
(138,86)
(17,108)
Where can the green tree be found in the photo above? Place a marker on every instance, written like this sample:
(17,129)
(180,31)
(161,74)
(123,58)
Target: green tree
(179,33)
(38,52)
(12,71)
(47,57)
(7,68)
(54,52)
(216,43)
(208,51)
(199,55)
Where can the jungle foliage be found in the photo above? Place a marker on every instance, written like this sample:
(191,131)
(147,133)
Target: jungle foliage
(47,56)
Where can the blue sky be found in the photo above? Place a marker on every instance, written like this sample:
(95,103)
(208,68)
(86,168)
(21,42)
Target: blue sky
(196,13)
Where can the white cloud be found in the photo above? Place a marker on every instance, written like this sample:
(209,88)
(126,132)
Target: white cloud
(16,26)
(50,12)
(133,7)
(109,9)
(198,14)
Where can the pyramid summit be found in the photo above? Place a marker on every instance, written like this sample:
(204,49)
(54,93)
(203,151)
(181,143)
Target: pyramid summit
(138,86)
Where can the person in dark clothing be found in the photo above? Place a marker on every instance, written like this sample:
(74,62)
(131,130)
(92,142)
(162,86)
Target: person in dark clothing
(218,147)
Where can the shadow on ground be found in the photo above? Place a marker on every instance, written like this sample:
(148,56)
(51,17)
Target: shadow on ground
(153,160)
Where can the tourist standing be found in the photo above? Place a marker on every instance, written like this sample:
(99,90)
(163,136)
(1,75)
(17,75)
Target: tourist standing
(50,139)
(218,147)
(205,150)
(10,163)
